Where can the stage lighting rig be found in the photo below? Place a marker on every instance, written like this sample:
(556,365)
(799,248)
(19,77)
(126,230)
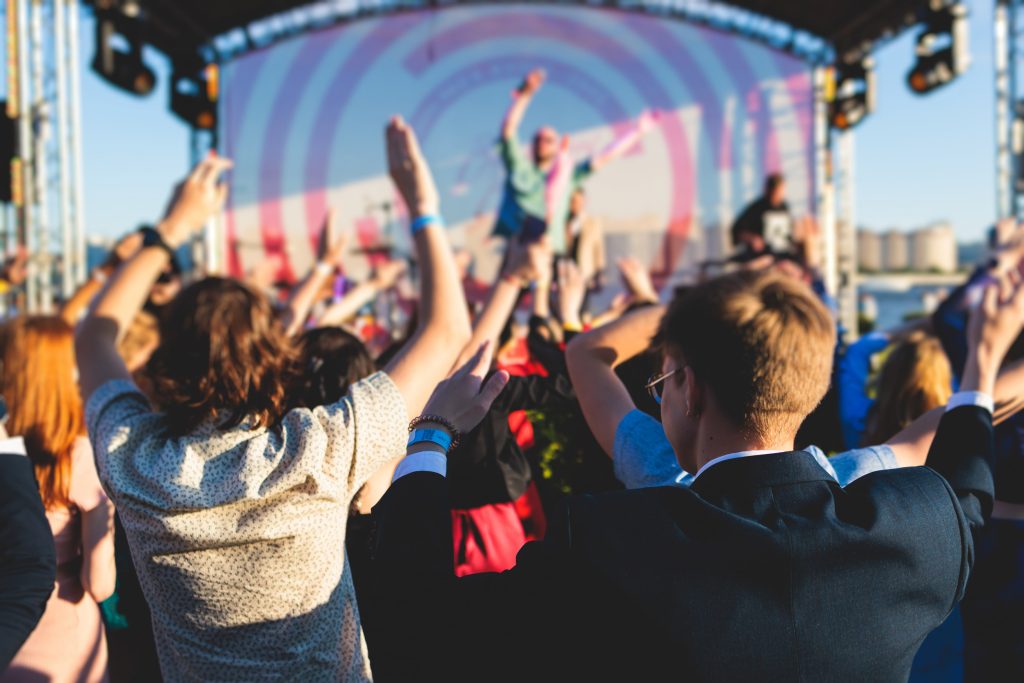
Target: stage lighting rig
(118,58)
(194,91)
(942,47)
(854,96)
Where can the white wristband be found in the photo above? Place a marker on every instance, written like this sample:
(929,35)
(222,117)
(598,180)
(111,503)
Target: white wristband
(324,269)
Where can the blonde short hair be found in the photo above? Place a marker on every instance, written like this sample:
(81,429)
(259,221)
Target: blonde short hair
(762,342)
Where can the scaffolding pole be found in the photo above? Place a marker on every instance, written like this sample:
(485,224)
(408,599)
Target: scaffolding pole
(74,109)
(1003,110)
(846,234)
(68,252)
(823,195)
(44,34)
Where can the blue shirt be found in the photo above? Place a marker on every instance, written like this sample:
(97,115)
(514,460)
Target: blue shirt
(642,457)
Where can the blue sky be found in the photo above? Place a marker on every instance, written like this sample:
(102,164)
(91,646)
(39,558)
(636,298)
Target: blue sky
(918,159)
(921,159)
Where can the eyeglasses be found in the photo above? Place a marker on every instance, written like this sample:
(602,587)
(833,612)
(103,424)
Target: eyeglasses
(655,384)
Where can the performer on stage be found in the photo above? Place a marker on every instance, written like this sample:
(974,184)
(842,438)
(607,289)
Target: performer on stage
(538,186)
(766,225)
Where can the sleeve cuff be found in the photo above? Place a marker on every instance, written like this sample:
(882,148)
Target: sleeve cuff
(424,461)
(970,398)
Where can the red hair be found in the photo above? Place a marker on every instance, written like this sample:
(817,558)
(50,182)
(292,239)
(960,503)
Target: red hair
(44,404)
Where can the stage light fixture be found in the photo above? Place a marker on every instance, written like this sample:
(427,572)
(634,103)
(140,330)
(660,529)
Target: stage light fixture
(854,93)
(194,95)
(941,50)
(118,58)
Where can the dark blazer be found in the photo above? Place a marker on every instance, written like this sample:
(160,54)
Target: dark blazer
(28,562)
(766,569)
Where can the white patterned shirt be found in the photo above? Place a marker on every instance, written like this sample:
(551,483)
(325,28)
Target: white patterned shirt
(238,536)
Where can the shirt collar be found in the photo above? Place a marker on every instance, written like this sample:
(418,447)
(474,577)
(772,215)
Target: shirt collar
(14,445)
(731,456)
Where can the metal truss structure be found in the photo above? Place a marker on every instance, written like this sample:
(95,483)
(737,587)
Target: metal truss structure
(1009,110)
(43,97)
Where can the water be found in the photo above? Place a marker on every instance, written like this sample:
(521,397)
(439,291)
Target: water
(894,306)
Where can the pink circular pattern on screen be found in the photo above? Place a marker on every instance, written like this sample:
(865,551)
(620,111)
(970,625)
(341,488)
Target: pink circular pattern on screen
(609,64)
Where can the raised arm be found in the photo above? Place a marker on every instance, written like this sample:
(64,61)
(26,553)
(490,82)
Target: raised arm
(197,198)
(520,101)
(523,265)
(622,144)
(304,296)
(592,359)
(963,448)
(384,277)
(73,308)
(443,319)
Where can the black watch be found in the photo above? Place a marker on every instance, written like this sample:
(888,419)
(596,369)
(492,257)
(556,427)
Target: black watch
(151,237)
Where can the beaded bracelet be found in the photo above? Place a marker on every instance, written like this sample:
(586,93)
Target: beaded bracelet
(437,419)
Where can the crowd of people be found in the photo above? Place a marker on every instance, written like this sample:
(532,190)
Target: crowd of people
(206,478)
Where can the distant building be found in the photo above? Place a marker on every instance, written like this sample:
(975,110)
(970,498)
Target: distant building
(869,251)
(895,250)
(933,249)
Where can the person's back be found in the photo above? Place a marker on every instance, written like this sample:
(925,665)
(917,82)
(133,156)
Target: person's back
(238,530)
(789,583)
(764,568)
(234,502)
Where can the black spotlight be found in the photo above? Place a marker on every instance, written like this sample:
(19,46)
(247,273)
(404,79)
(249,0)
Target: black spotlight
(194,95)
(123,68)
(854,95)
(942,47)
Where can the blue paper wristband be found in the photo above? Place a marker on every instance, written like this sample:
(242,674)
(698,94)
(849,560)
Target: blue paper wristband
(435,436)
(423,221)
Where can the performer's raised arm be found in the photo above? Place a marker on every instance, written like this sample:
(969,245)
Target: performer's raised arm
(622,144)
(520,101)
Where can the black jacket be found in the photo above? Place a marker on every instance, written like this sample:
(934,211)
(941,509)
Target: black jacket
(765,569)
(28,561)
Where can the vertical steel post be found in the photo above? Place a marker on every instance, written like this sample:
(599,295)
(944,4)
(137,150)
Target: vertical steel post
(42,254)
(846,234)
(68,253)
(74,75)
(824,205)
(1004,111)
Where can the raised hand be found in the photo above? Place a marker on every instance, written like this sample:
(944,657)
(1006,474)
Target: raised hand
(195,200)
(993,327)
(637,279)
(532,82)
(409,170)
(528,262)
(333,243)
(122,251)
(463,398)
(387,274)
(572,290)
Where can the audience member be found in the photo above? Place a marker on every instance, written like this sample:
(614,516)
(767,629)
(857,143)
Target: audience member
(806,564)
(38,383)
(234,502)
